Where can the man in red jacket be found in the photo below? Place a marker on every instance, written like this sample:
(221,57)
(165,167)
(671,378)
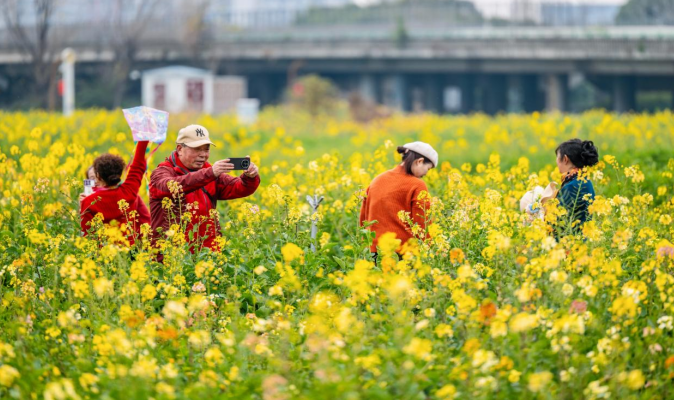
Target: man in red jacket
(200,184)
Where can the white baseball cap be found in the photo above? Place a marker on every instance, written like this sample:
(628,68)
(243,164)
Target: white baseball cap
(425,150)
(194,136)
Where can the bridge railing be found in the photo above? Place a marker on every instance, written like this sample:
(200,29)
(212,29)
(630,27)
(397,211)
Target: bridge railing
(422,19)
(449,13)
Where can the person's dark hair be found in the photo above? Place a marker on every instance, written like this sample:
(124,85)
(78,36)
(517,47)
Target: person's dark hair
(409,157)
(581,153)
(109,168)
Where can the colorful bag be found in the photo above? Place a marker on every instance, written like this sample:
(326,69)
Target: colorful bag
(532,202)
(147,123)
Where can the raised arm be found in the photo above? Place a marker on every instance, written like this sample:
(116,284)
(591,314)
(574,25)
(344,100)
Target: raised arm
(129,189)
(189,182)
(229,187)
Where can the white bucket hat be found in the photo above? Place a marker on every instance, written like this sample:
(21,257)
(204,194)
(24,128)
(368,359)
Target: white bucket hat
(425,150)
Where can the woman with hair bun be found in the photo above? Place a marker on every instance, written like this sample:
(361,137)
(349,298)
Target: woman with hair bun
(576,193)
(109,190)
(398,190)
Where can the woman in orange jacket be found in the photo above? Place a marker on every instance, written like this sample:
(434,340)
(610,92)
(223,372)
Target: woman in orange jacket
(398,190)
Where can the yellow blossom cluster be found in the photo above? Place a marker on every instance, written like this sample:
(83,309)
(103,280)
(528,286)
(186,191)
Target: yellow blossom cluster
(489,304)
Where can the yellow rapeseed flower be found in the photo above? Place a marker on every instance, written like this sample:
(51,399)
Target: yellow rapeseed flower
(8,375)
(523,322)
(635,379)
(419,348)
(539,381)
(291,252)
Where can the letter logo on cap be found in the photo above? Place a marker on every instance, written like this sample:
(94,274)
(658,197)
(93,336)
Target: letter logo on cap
(200,132)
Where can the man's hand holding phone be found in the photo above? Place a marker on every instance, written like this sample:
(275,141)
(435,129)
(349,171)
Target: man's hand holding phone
(231,164)
(222,167)
(252,171)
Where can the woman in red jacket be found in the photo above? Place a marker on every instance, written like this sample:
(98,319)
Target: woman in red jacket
(109,191)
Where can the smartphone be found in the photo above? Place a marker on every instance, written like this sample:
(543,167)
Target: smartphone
(89,186)
(240,163)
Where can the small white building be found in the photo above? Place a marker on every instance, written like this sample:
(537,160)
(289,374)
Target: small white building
(186,89)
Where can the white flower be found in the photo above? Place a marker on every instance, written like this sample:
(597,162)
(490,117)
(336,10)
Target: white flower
(666,322)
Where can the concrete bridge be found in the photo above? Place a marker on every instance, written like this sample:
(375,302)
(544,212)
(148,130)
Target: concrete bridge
(464,69)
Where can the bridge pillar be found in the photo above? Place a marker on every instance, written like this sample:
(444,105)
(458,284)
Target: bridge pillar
(495,94)
(261,87)
(433,89)
(395,92)
(367,87)
(515,94)
(467,86)
(530,94)
(555,92)
(624,94)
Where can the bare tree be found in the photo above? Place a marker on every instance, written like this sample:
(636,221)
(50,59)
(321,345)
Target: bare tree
(647,12)
(194,36)
(31,33)
(129,22)
(198,37)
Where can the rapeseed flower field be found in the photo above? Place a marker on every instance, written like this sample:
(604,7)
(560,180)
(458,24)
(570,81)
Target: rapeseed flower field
(491,306)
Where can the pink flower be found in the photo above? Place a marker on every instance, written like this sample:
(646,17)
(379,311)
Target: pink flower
(655,348)
(666,251)
(198,287)
(578,307)
(298,89)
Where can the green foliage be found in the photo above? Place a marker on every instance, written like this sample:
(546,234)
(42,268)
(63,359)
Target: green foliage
(491,305)
(401,37)
(314,95)
(420,11)
(647,12)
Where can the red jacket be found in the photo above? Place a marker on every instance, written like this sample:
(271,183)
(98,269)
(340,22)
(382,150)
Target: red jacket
(201,190)
(105,201)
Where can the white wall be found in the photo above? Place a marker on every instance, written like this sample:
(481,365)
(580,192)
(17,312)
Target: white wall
(175,95)
(503,8)
(147,92)
(208,94)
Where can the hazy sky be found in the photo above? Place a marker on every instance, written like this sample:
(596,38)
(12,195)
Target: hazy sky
(503,8)
(505,3)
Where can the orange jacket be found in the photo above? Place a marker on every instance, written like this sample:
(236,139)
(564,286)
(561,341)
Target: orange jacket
(389,193)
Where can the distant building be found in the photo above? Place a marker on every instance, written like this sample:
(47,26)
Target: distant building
(251,13)
(526,11)
(553,12)
(186,89)
(565,14)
